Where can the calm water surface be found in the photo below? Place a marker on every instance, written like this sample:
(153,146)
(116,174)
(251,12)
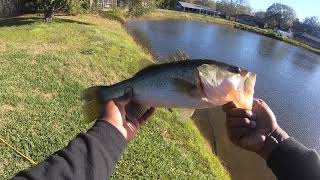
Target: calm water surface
(288,76)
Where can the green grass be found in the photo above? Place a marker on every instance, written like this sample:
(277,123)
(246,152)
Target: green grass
(43,69)
(121,15)
(162,13)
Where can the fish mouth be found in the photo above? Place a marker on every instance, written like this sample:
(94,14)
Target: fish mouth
(249,83)
(237,88)
(243,98)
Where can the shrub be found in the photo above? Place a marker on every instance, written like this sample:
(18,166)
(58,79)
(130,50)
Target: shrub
(140,7)
(78,6)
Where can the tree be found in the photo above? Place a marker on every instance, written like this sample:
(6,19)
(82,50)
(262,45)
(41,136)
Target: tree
(208,3)
(140,7)
(223,7)
(312,25)
(166,4)
(280,16)
(233,8)
(260,14)
(49,6)
(242,9)
(298,26)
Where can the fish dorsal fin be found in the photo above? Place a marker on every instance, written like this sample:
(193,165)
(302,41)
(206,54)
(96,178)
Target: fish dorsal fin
(174,57)
(169,61)
(185,113)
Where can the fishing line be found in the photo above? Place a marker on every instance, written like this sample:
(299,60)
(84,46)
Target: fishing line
(17,151)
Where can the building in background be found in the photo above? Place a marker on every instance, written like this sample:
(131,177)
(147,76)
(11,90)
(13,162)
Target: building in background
(10,7)
(196,8)
(309,39)
(104,4)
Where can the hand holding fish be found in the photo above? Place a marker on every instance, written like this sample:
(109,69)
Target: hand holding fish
(114,113)
(255,130)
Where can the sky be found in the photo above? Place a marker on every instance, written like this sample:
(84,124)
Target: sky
(303,8)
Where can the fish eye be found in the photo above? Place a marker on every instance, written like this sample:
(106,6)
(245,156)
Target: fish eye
(235,69)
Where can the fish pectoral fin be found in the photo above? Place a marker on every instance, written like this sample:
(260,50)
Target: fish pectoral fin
(185,113)
(186,87)
(135,110)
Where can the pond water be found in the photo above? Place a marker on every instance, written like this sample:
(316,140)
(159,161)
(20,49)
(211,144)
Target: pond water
(288,76)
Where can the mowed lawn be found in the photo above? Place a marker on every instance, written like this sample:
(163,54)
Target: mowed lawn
(43,69)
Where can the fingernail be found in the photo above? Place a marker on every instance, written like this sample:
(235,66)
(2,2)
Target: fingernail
(253,124)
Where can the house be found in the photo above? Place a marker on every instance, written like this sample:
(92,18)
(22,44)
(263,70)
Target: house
(105,3)
(10,7)
(196,8)
(250,20)
(284,33)
(308,39)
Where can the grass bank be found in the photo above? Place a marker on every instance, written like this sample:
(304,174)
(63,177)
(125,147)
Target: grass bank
(43,69)
(121,16)
(169,14)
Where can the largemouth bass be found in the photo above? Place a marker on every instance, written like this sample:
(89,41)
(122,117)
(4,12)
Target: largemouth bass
(188,85)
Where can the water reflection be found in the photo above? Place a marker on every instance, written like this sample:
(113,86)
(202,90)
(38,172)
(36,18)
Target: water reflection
(142,38)
(306,61)
(266,46)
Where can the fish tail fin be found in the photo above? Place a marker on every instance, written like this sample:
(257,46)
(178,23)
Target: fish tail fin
(93,102)
(95,97)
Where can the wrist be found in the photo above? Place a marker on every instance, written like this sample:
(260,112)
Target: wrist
(116,124)
(272,141)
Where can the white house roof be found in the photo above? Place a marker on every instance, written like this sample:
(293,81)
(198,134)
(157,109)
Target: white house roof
(311,37)
(195,6)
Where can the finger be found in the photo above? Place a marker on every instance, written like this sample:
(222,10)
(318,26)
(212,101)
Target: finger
(122,111)
(125,99)
(229,105)
(258,102)
(236,134)
(135,123)
(257,140)
(144,118)
(240,122)
(237,112)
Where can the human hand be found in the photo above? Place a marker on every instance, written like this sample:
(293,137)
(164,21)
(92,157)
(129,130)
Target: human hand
(255,130)
(115,114)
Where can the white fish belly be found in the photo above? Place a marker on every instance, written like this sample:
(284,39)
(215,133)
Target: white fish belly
(170,99)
